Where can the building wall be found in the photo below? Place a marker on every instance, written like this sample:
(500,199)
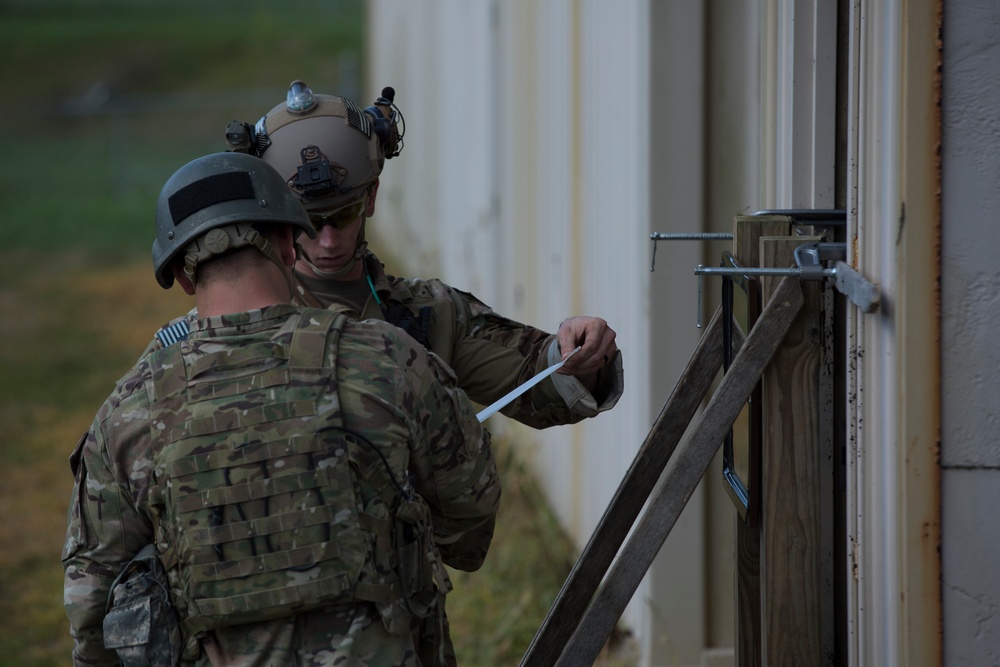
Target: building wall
(524,179)
(545,141)
(970,302)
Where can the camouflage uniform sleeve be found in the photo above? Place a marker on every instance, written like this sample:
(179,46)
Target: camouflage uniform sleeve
(104,528)
(451,463)
(491,355)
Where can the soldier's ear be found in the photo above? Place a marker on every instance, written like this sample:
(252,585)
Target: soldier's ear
(182,279)
(285,245)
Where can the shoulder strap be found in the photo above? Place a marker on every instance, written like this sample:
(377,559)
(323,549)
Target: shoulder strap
(309,340)
(167,373)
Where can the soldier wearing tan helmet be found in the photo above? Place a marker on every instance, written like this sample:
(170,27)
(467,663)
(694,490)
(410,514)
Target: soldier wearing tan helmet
(331,153)
(274,485)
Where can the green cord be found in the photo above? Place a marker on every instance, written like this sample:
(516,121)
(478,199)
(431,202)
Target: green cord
(374,293)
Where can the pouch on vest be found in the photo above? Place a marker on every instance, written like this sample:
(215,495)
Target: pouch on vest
(421,572)
(141,625)
(404,546)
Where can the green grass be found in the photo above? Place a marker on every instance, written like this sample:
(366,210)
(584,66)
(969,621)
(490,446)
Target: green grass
(59,49)
(495,612)
(78,298)
(102,101)
(70,328)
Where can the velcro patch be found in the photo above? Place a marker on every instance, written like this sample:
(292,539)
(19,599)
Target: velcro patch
(211,190)
(170,334)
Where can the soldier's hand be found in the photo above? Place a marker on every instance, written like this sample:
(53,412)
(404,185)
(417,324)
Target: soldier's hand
(596,341)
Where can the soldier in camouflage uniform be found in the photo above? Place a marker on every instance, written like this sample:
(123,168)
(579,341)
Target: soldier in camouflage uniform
(331,154)
(293,479)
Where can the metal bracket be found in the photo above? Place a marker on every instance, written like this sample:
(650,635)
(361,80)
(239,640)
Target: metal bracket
(861,292)
(687,236)
(809,258)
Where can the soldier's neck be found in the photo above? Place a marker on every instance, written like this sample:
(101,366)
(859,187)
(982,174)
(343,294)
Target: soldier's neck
(252,292)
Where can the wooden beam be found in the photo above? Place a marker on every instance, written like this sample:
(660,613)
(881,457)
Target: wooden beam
(747,230)
(686,469)
(796,565)
(638,483)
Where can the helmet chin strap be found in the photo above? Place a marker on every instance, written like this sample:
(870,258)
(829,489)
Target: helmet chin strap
(359,251)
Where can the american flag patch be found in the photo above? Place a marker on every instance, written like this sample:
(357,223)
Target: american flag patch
(169,335)
(357,119)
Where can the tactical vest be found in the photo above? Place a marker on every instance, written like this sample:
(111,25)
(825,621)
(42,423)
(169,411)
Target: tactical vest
(263,501)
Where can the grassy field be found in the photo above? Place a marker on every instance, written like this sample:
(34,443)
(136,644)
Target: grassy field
(102,100)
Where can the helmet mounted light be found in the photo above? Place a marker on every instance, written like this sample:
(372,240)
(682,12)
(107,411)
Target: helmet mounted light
(387,122)
(300,98)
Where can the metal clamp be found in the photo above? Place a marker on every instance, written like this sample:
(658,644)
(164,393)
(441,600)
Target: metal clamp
(858,289)
(809,258)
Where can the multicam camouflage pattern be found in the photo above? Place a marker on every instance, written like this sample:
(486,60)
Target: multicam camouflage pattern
(257,484)
(391,393)
(463,332)
(141,624)
(489,354)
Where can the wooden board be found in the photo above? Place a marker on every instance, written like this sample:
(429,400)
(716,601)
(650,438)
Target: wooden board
(687,467)
(795,556)
(632,493)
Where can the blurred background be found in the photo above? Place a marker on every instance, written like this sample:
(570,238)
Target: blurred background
(101,102)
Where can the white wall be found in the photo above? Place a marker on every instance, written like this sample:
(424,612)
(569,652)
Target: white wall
(538,159)
(524,179)
(970,301)
(892,364)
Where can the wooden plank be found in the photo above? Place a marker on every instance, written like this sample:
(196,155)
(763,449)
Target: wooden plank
(747,231)
(797,626)
(747,584)
(686,469)
(632,493)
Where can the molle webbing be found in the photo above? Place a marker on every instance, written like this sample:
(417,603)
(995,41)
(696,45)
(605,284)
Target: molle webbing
(257,488)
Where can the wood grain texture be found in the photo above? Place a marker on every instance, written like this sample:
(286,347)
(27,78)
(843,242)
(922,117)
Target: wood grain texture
(793,560)
(686,469)
(632,493)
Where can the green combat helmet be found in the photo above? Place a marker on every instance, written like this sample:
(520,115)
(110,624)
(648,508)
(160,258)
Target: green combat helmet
(210,206)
